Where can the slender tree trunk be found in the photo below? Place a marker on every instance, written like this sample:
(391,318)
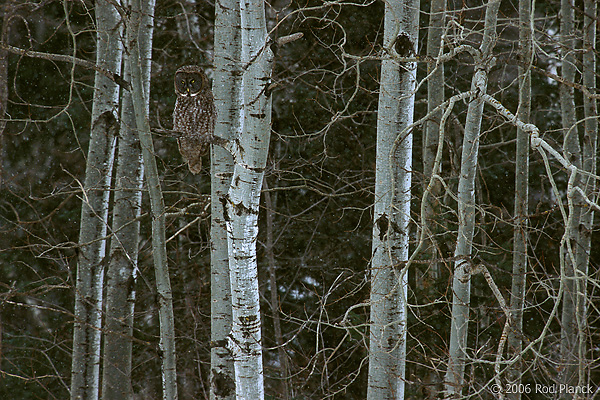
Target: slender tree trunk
(588,184)
(572,152)
(243,201)
(85,369)
(389,279)
(121,273)
(227,91)
(431,224)
(520,236)
(157,205)
(435,97)
(461,283)
(582,153)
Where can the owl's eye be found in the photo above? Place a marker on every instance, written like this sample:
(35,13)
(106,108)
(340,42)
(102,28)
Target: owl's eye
(182,82)
(193,81)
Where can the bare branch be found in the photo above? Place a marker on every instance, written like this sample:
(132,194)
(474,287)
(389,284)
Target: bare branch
(116,78)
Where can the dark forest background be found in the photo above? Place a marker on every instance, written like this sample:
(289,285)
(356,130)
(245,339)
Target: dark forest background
(320,182)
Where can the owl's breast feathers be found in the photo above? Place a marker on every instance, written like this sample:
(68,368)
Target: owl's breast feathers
(194,116)
(194,119)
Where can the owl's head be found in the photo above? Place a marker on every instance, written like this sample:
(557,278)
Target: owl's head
(190,81)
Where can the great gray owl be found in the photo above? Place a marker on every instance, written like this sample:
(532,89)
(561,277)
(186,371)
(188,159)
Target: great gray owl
(194,114)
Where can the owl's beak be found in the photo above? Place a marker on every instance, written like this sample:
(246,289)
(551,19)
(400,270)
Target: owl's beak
(187,90)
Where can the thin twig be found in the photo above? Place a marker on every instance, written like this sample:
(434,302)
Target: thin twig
(116,78)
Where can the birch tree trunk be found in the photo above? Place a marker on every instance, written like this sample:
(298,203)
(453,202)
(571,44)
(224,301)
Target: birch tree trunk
(520,236)
(227,91)
(572,152)
(159,249)
(389,280)
(582,153)
(243,200)
(461,283)
(121,273)
(85,368)
(588,184)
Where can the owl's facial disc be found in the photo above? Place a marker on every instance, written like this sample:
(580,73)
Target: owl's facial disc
(188,84)
(192,87)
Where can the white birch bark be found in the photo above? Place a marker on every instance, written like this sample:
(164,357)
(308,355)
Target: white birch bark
(389,279)
(520,235)
(121,273)
(121,276)
(85,369)
(159,250)
(243,201)
(461,283)
(226,89)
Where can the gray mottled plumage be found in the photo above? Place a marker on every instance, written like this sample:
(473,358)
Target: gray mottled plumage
(194,114)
